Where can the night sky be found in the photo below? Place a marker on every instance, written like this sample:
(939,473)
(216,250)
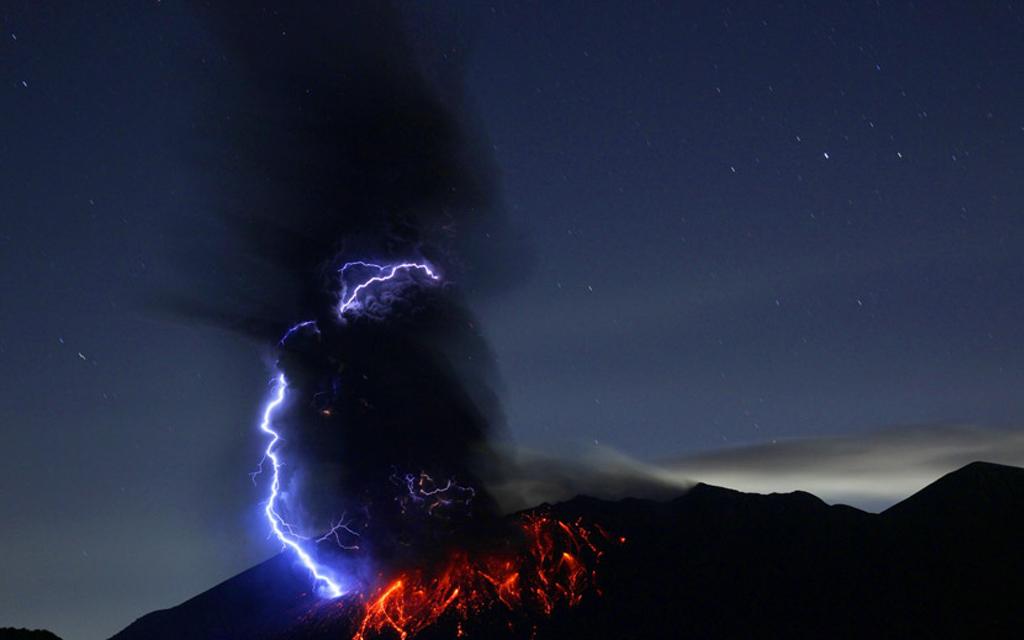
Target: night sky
(749,224)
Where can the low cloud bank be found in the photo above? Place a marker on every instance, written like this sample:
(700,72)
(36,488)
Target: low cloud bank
(871,470)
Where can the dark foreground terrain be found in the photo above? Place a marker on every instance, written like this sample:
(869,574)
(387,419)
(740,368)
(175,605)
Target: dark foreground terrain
(948,562)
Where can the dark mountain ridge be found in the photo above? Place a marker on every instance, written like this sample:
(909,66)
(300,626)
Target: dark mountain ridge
(718,563)
(10,633)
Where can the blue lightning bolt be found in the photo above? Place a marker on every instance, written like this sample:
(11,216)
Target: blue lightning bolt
(282,529)
(298,327)
(384,274)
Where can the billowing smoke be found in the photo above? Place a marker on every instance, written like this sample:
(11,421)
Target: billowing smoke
(328,143)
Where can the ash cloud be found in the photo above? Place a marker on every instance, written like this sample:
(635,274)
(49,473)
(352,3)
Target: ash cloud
(327,137)
(328,141)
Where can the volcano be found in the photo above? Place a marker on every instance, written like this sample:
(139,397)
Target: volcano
(712,563)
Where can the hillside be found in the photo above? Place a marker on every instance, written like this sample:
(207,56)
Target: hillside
(717,563)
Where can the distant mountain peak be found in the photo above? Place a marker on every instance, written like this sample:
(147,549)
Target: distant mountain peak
(702,491)
(973,489)
(980,466)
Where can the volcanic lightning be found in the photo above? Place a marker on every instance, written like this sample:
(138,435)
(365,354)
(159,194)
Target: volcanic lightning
(350,301)
(278,525)
(281,529)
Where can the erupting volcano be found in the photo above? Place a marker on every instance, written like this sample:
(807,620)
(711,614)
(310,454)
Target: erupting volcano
(378,214)
(538,564)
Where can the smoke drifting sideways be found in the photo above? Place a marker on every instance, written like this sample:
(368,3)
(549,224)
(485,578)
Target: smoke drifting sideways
(332,154)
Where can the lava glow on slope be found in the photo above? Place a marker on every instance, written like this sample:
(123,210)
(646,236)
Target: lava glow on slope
(556,566)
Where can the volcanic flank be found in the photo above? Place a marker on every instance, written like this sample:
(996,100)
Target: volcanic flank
(713,563)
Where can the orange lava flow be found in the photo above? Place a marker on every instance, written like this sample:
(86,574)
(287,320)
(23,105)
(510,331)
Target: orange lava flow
(556,567)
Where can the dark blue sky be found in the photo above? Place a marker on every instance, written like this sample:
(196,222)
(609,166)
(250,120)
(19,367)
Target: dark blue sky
(744,285)
(749,222)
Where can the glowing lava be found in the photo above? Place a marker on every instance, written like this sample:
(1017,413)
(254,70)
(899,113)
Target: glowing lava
(556,566)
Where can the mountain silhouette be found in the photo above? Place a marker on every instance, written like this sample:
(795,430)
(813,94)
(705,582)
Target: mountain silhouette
(10,633)
(980,489)
(947,562)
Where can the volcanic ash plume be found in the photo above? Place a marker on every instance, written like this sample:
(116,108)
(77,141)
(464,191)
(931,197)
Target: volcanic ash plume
(373,209)
(381,435)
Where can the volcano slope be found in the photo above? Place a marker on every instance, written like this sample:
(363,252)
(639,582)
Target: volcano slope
(712,563)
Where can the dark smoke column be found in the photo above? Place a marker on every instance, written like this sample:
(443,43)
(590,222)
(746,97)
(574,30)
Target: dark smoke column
(336,154)
(388,440)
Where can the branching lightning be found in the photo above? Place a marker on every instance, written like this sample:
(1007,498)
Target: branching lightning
(282,529)
(349,300)
(430,495)
(332,534)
